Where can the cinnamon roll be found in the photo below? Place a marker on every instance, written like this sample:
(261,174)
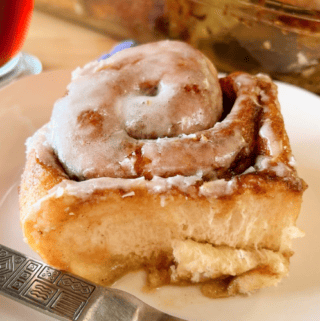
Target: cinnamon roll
(151,162)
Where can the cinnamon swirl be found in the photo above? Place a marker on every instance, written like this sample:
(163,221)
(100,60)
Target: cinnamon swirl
(152,162)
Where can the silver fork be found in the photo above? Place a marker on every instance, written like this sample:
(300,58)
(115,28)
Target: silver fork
(66,296)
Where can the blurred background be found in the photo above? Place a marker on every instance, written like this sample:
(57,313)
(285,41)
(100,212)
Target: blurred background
(281,38)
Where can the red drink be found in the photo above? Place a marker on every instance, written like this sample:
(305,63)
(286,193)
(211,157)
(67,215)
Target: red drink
(15,16)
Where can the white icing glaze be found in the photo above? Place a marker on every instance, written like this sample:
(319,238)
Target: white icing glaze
(38,143)
(85,189)
(274,145)
(279,168)
(166,154)
(292,161)
(217,188)
(151,91)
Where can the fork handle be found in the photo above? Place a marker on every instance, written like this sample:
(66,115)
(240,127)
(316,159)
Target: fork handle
(68,297)
(42,287)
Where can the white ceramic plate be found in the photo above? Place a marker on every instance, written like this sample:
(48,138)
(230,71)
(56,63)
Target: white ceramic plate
(26,104)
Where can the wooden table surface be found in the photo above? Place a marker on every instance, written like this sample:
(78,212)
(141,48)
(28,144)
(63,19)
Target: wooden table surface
(60,44)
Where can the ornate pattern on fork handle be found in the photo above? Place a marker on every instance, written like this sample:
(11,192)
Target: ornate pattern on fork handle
(42,286)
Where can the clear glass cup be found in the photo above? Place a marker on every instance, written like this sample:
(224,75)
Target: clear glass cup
(15,18)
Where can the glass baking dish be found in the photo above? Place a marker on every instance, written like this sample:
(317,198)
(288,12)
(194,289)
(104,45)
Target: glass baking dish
(254,36)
